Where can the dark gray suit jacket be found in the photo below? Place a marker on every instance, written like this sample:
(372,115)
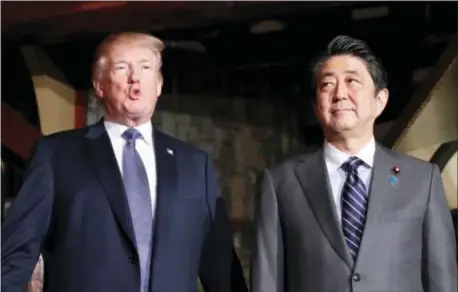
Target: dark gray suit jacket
(408,243)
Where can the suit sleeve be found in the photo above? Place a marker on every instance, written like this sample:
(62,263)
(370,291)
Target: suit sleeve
(26,223)
(218,255)
(439,246)
(267,261)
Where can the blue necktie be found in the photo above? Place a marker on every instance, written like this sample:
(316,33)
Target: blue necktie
(138,197)
(354,205)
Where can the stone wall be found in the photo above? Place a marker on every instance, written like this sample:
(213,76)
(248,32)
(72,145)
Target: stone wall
(243,137)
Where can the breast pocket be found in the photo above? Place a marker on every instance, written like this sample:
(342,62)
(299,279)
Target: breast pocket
(409,213)
(409,204)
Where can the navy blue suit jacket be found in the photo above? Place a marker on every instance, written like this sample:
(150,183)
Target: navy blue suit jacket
(72,208)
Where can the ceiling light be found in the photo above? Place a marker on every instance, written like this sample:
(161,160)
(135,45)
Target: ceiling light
(267,26)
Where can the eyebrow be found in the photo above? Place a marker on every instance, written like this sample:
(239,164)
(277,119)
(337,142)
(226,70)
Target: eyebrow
(124,62)
(332,74)
(119,62)
(353,72)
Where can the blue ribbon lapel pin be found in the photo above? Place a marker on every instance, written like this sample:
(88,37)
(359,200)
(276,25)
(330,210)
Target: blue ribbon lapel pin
(393,177)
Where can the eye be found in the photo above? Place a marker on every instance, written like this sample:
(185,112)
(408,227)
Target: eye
(326,84)
(118,68)
(352,81)
(146,67)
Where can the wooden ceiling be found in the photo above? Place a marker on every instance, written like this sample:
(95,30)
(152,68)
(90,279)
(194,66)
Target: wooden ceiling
(235,61)
(56,21)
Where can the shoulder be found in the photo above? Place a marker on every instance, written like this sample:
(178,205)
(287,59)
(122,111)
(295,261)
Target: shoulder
(47,145)
(65,136)
(413,164)
(284,168)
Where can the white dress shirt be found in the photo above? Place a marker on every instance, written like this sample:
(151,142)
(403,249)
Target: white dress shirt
(334,159)
(144,147)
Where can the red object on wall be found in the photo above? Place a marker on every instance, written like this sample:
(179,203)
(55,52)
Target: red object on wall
(17,133)
(80,109)
(20,136)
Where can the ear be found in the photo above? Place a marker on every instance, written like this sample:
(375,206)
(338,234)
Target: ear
(381,100)
(99,92)
(159,85)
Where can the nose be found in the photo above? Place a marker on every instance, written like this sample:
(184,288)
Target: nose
(341,91)
(134,76)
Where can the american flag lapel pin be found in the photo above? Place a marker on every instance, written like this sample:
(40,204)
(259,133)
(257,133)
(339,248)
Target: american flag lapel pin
(169,151)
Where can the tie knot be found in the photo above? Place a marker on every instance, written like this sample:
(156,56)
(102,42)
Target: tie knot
(131,134)
(352,164)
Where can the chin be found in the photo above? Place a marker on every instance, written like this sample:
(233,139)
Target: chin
(343,129)
(343,125)
(136,109)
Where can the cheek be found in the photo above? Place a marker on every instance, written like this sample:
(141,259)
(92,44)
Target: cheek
(119,86)
(150,86)
(365,107)
(323,104)
(150,92)
(118,90)
(118,82)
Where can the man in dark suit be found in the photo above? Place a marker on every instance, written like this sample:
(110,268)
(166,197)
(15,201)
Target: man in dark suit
(353,216)
(120,206)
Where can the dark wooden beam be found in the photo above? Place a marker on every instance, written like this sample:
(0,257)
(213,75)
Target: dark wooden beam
(62,21)
(444,153)
(421,95)
(30,11)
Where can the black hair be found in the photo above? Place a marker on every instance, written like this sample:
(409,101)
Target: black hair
(346,45)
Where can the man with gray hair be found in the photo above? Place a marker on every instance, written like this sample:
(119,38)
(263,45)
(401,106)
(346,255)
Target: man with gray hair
(120,206)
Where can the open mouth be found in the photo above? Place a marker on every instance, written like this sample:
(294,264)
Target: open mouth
(134,93)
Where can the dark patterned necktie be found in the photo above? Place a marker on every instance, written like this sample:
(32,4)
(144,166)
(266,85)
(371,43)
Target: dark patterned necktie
(354,205)
(138,197)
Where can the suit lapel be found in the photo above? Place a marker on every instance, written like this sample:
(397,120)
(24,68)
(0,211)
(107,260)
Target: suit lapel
(382,192)
(110,177)
(313,179)
(167,182)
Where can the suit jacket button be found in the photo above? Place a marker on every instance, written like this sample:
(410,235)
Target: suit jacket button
(356,277)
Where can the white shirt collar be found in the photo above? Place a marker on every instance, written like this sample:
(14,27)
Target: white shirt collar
(146,129)
(335,158)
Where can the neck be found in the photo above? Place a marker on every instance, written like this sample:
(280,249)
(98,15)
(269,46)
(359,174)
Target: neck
(126,121)
(349,145)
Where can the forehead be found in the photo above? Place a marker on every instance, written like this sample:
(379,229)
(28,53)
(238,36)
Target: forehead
(131,52)
(339,65)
